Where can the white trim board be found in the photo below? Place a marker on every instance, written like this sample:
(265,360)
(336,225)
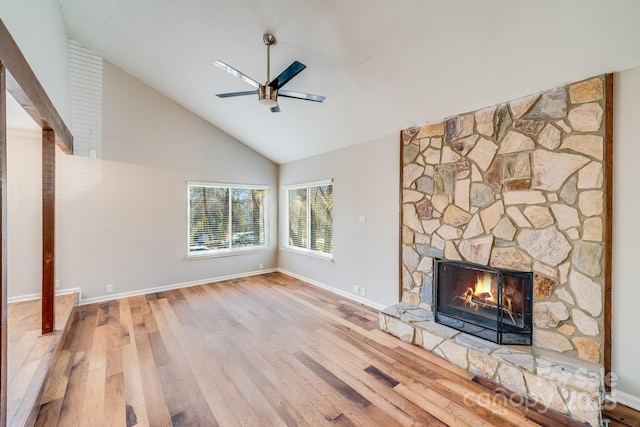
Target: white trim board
(31,297)
(110,297)
(625,398)
(340,292)
(138,292)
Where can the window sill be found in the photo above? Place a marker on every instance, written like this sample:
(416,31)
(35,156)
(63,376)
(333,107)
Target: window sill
(225,253)
(313,254)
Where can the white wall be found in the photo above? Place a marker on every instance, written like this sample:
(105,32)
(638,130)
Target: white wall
(365,183)
(122,220)
(626,235)
(24,213)
(39,29)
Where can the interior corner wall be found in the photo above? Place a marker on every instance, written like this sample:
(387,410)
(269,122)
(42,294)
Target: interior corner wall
(626,234)
(122,219)
(365,183)
(40,32)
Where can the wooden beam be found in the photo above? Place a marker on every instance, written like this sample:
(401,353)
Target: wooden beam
(24,86)
(3,251)
(48,229)
(608,243)
(17,77)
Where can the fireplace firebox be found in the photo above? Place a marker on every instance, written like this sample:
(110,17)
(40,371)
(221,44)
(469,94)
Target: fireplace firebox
(486,302)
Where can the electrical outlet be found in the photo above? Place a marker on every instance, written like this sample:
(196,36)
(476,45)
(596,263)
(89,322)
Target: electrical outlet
(363,291)
(109,288)
(362,218)
(57,283)
(356,289)
(261,266)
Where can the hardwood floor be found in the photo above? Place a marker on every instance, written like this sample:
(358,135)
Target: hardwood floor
(30,355)
(264,350)
(622,416)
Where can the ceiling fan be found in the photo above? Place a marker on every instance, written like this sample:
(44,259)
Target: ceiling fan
(268,93)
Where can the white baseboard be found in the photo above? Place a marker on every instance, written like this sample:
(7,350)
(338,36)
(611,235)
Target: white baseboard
(626,399)
(31,297)
(340,292)
(137,292)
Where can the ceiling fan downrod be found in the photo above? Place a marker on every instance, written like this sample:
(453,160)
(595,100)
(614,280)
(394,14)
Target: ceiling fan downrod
(268,39)
(267,95)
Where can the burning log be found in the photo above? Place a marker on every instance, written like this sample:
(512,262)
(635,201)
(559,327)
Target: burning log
(486,300)
(485,297)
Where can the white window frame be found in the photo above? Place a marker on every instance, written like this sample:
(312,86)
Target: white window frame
(285,234)
(214,253)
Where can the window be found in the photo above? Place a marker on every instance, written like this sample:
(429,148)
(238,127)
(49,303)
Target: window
(310,218)
(226,218)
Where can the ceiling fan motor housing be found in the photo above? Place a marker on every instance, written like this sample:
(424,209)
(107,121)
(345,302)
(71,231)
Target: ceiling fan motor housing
(268,96)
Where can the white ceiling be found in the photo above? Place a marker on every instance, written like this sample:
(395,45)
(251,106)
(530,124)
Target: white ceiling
(383,65)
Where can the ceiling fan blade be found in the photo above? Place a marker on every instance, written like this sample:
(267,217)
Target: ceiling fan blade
(232,94)
(236,73)
(299,95)
(290,72)
(275,109)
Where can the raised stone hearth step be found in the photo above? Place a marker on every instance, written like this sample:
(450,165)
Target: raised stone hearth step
(562,382)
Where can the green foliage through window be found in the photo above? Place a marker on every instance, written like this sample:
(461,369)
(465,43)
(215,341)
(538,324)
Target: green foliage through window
(310,220)
(225,218)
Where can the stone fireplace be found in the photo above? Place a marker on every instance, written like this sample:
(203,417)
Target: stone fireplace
(518,186)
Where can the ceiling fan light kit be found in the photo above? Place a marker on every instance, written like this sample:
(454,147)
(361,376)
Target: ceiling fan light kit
(268,93)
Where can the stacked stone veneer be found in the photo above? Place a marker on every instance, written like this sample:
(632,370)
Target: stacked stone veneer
(519,186)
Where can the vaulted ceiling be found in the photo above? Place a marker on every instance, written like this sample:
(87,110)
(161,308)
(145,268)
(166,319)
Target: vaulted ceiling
(382,65)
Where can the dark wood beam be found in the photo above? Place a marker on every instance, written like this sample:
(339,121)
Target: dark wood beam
(24,86)
(17,77)
(608,243)
(48,229)
(3,253)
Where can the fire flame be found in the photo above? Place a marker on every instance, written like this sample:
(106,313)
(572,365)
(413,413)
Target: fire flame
(483,286)
(482,292)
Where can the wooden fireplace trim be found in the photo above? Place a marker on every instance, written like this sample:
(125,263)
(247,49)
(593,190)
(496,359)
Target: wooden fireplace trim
(608,239)
(400,198)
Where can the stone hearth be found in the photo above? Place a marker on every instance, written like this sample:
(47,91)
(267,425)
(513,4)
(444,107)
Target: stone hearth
(520,186)
(570,386)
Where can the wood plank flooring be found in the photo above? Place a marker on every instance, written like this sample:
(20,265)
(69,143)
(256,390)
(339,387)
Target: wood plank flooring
(265,350)
(30,354)
(622,416)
